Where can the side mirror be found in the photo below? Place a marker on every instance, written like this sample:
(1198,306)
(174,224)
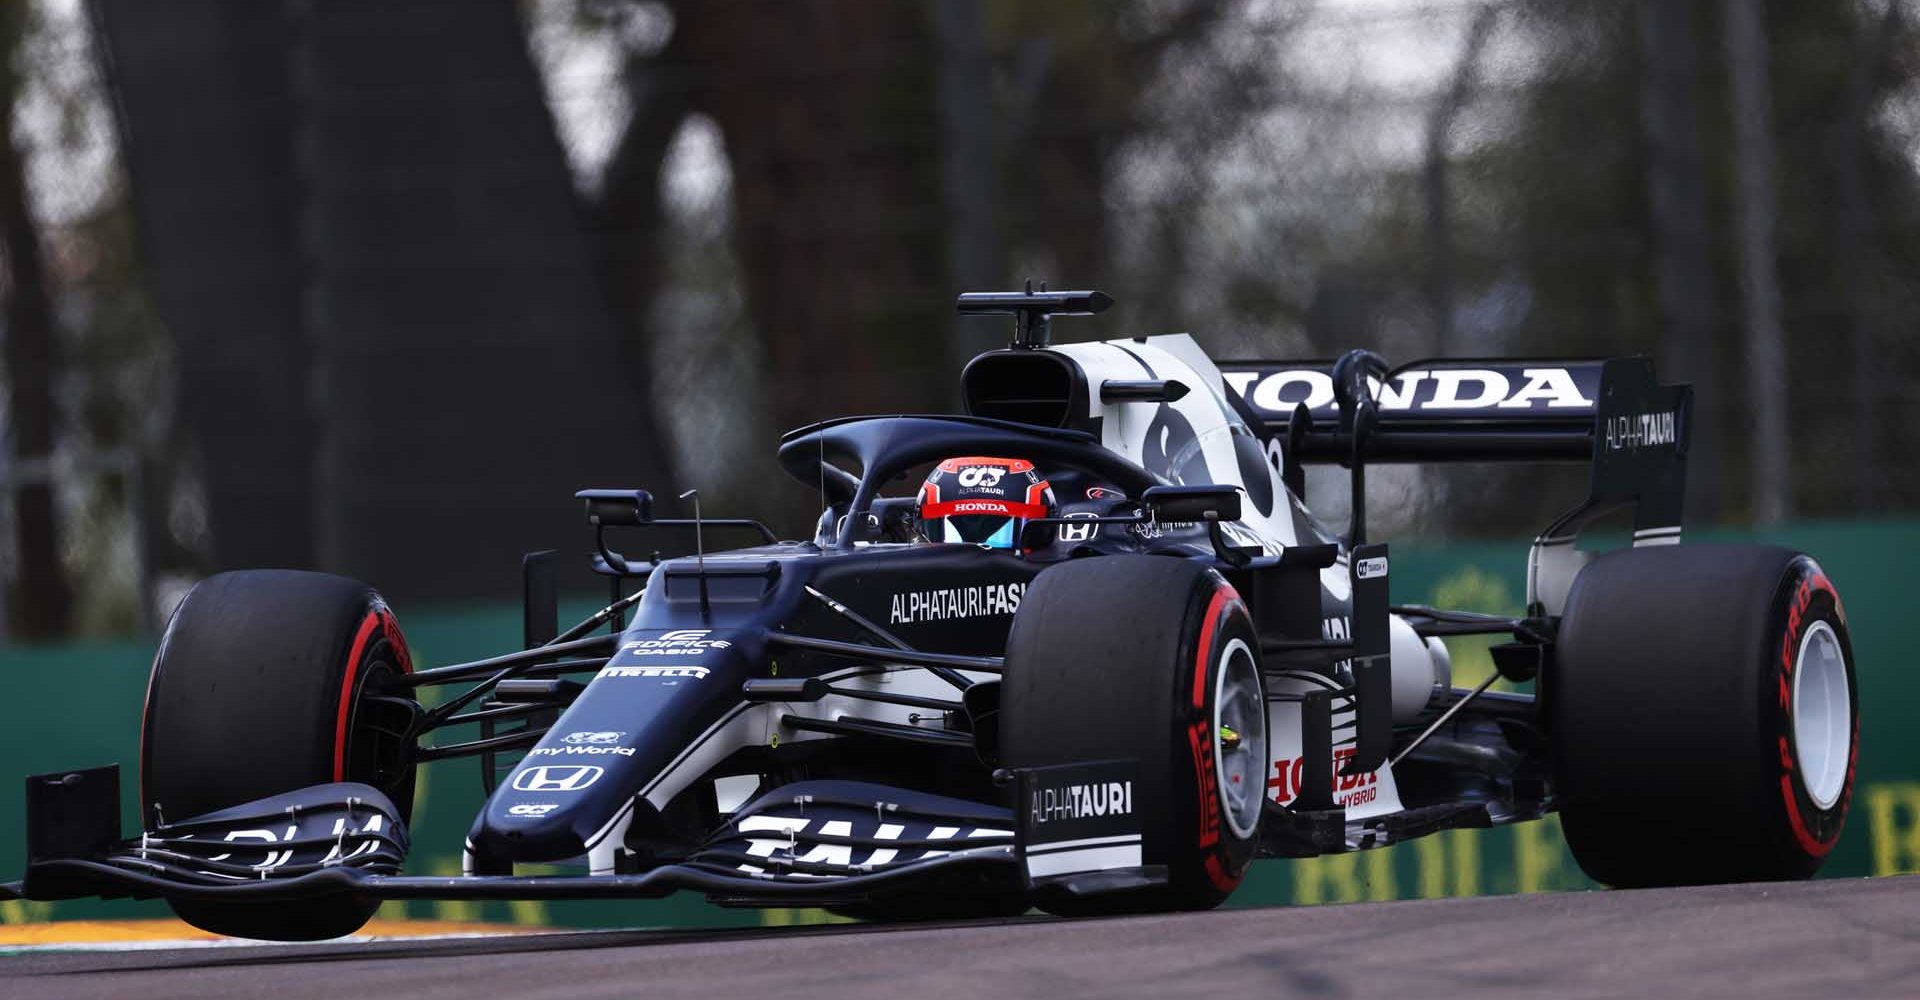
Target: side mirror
(1193,503)
(1115,390)
(618,508)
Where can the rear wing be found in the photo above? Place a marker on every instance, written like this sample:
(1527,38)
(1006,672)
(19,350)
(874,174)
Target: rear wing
(1613,414)
(1433,411)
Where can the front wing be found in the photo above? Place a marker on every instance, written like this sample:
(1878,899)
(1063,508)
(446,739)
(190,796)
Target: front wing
(806,844)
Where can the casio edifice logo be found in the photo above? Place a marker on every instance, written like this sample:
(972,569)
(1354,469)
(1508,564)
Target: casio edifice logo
(679,642)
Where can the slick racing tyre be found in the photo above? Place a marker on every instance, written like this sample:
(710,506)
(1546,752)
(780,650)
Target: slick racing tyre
(1151,658)
(260,687)
(1703,716)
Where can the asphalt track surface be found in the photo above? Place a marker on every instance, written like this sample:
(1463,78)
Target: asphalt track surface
(1853,938)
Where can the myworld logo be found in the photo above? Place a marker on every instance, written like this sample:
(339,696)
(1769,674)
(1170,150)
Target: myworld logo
(581,751)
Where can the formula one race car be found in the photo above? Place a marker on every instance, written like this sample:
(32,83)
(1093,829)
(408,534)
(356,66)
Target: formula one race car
(1100,661)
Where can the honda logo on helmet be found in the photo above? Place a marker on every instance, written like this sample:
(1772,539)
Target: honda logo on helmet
(557,778)
(981,475)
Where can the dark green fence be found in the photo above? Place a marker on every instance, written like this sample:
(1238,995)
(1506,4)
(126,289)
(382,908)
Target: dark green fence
(72,706)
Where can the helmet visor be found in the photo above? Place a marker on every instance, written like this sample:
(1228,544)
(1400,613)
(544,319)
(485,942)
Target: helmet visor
(993,532)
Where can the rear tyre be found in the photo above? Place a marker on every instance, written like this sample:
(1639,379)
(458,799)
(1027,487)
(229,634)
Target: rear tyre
(1704,716)
(260,688)
(1154,658)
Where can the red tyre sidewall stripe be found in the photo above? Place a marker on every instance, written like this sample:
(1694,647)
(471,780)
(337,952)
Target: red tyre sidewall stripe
(1800,832)
(391,625)
(1204,656)
(1218,606)
(361,638)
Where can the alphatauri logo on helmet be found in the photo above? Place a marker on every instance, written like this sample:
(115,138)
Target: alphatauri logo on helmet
(981,475)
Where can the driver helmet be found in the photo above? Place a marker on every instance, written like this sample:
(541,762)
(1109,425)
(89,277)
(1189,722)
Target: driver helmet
(983,501)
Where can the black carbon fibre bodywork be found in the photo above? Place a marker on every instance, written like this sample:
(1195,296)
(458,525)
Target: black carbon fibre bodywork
(671,691)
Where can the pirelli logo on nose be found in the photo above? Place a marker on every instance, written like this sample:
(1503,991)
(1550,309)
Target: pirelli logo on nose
(697,673)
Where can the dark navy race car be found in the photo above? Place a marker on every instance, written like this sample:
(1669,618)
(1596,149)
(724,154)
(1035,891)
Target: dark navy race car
(1079,648)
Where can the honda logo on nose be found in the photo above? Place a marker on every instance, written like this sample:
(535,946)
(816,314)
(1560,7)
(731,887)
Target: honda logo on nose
(557,778)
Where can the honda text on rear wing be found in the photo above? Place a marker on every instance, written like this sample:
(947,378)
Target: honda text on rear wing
(1612,413)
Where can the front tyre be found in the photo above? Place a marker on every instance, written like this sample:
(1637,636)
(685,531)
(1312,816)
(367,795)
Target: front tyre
(261,686)
(1704,716)
(1153,658)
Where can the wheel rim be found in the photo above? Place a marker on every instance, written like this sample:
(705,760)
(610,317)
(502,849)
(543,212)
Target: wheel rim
(1240,738)
(1822,710)
(376,748)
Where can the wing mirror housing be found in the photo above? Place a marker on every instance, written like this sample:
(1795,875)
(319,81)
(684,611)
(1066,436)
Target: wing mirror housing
(617,508)
(1206,502)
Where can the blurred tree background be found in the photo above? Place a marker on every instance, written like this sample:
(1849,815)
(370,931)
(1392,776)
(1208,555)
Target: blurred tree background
(372,286)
